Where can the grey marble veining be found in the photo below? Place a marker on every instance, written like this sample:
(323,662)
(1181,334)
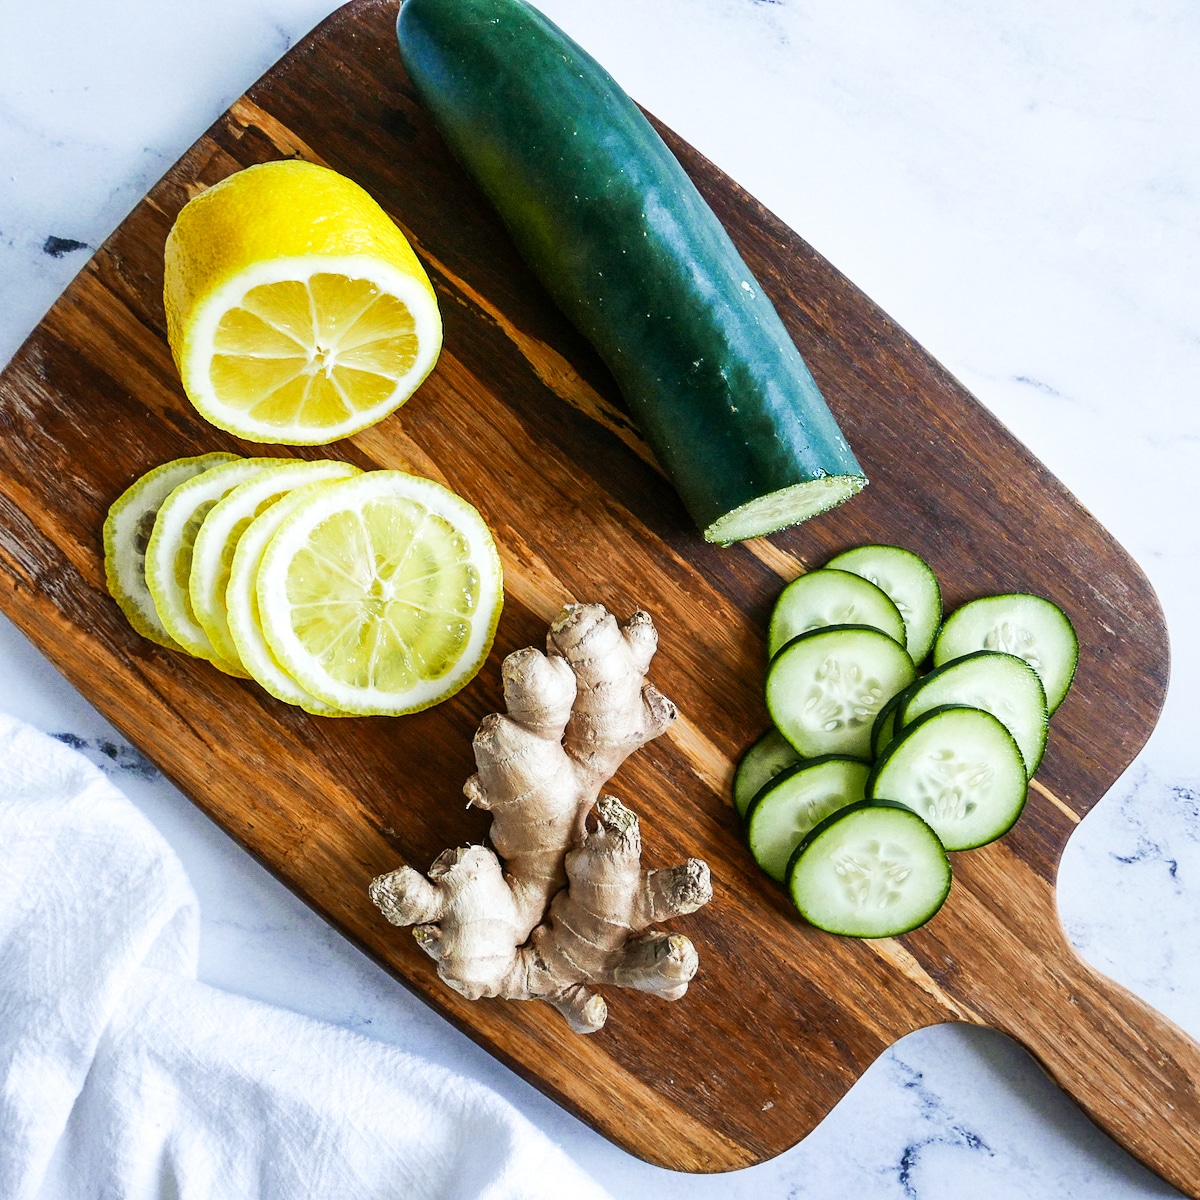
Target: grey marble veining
(1019,186)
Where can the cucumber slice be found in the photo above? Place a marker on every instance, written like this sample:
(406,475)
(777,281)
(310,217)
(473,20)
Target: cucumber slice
(1030,627)
(872,870)
(825,688)
(825,597)
(789,806)
(960,770)
(770,755)
(1002,684)
(908,582)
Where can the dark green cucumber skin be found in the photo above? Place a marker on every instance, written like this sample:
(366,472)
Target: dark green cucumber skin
(628,249)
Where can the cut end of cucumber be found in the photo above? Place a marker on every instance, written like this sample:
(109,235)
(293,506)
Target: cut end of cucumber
(789,506)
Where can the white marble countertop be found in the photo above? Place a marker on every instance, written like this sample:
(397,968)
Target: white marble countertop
(1018,185)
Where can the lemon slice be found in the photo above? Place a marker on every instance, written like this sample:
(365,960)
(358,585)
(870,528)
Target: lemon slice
(241,596)
(296,311)
(227,520)
(169,553)
(127,532)
(381,594)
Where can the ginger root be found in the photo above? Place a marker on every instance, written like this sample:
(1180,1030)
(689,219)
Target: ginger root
(570,905)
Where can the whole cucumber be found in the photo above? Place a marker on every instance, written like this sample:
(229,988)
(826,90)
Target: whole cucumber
(614,228)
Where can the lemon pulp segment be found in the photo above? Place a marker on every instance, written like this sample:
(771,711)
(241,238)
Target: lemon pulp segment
(381,593)
(127,531)
(241,597)
(171,548)
(312,353)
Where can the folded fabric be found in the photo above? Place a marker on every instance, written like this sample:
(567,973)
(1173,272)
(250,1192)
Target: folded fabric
(123,1076)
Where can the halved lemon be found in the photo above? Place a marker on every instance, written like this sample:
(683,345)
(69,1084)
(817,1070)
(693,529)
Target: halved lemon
(127,531)
(241,596)
(296,311)
(227,520)
(380,594)
(169,553)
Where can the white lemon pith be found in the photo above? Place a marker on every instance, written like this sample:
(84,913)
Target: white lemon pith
(380,594)
(241,597)
(227,520)
(127,531)
(172,544)
(296,310)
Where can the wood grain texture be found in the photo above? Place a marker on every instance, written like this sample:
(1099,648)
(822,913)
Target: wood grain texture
(523,420)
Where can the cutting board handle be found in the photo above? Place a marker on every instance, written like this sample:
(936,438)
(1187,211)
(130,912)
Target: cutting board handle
(1133,1071)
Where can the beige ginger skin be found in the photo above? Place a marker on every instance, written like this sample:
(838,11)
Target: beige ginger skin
(569,907)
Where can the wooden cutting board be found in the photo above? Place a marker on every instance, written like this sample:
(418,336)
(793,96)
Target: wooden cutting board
(521,418)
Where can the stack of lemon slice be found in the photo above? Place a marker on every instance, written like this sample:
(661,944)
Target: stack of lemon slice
(297,312)
(344,592)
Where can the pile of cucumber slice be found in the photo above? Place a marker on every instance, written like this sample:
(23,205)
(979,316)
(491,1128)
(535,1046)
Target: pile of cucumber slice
(873,771)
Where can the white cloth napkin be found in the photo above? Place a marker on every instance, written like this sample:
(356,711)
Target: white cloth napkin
(122,1076)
